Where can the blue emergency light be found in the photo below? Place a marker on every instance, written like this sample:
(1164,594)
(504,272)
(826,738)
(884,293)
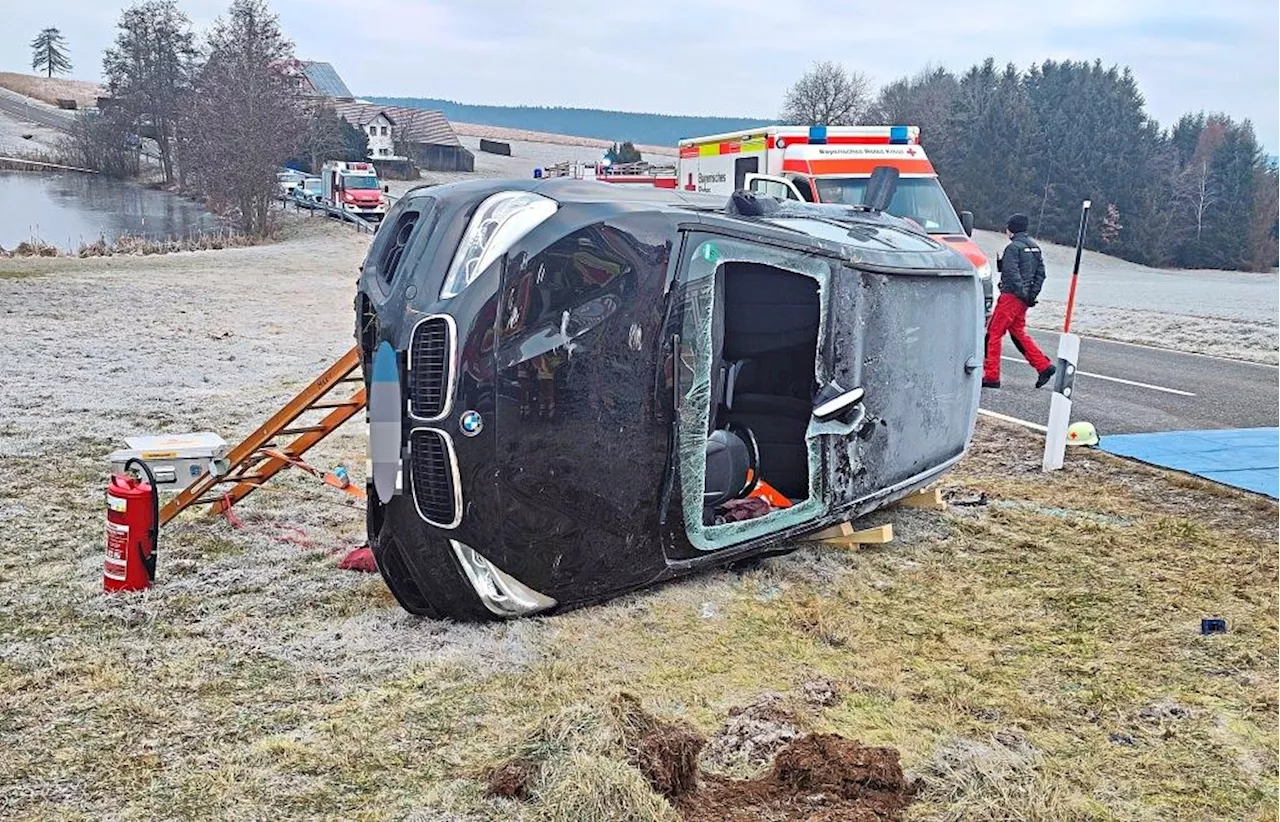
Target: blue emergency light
(897,135)
(817,135)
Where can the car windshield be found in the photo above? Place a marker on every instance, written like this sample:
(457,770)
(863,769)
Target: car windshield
(312,184)
(917,198)
(365,181)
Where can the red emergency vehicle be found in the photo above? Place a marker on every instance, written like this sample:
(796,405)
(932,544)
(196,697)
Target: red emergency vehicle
(832,165)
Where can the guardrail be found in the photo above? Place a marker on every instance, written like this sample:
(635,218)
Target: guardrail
(361,224)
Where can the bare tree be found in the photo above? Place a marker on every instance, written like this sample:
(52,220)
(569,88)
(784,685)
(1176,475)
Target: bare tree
(1111,225)
(1195,186)
(402,146)
(323,138)
(100,140)
(149,70)
(246,118)
(923,100)
(1264,230)
(827,95)
(49,52)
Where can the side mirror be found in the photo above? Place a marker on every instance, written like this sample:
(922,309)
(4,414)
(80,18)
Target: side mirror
(881,188)
(966,220)
(386,189)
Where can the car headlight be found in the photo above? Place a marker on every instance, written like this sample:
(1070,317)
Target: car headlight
(984,271)
(498,224)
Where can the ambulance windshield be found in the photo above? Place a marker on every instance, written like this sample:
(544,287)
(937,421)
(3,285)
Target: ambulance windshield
(917,198)
(361,181)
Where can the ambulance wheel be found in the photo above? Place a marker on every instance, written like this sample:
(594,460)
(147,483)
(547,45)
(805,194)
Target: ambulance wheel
(427,581)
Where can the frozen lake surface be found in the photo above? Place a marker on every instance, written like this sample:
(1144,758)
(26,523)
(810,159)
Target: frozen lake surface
(70,208)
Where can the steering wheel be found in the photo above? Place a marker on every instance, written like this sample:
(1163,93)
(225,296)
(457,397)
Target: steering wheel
(753,456)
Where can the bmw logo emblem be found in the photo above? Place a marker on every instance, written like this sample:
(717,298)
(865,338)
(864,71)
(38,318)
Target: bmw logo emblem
(471,423)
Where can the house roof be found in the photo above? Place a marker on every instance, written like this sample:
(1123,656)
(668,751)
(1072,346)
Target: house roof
(325,80)
(419,125)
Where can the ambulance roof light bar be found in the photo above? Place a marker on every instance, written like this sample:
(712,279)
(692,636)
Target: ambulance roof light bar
(898,135)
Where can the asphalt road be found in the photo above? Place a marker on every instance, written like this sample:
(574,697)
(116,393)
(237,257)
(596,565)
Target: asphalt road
(26,109)
(1130,389)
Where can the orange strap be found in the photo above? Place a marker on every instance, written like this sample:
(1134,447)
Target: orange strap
(327,477)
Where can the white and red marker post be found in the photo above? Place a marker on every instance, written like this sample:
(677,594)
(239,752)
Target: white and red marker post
(1055,441)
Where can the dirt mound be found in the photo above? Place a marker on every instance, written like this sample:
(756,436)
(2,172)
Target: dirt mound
(816,778)
(512,779)
(752,735)
(813,778)
(668,758)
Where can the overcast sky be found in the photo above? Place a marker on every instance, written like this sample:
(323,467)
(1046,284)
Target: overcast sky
(728,57)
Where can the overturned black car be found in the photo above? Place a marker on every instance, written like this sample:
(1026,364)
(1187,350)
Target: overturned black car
(578,389)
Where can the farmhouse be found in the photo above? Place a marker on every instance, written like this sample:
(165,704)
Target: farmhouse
(397,133)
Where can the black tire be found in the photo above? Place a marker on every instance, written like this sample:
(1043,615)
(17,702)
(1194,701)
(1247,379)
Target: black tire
(427,581)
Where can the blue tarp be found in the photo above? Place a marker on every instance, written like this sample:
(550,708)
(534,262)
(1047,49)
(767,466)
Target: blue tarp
(1247,458)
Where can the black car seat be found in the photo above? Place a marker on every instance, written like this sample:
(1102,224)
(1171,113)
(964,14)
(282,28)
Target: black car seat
(767,362)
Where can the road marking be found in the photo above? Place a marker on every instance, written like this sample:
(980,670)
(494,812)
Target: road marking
(1034,426)
(1162,349)
(1117,379)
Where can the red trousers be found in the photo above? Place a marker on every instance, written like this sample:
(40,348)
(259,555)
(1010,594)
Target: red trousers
(1010,315)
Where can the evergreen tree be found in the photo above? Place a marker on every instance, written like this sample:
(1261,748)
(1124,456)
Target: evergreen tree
(49,52)
(1042,140)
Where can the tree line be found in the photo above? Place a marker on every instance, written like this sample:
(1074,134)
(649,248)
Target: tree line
(223,110)
(1199,194)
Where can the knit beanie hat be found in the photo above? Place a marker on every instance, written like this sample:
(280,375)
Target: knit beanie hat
(1018,223)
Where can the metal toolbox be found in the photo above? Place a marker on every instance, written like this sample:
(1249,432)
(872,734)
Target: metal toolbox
(175,459)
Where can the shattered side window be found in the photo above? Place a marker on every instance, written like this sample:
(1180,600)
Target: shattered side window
(708,256)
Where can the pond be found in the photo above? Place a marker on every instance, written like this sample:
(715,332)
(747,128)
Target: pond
(70,208)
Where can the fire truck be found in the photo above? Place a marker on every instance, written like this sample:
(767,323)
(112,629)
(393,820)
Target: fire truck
(832,165)
(354,188)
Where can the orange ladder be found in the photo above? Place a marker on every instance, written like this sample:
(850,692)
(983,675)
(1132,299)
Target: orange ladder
(257,458)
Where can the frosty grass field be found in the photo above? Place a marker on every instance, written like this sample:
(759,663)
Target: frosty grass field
(1033,652)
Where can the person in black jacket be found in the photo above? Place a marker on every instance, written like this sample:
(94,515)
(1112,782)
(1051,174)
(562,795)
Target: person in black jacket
(1021,277)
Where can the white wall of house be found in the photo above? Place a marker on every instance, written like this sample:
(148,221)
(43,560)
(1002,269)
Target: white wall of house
(380,141)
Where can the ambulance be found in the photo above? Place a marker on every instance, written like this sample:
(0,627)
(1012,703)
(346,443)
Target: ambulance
(832,164)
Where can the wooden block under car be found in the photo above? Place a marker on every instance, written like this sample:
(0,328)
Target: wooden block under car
(929,499)
(845,535)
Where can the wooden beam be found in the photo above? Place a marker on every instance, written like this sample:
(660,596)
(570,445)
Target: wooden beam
(845,535)
(930,499)
(840,531)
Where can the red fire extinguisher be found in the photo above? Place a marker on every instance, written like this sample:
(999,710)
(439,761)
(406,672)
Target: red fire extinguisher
(133,526)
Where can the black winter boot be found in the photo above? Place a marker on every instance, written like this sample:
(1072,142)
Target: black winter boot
(1046,375)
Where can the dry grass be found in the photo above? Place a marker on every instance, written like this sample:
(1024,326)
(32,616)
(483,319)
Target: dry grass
(51,89)
(1035,658)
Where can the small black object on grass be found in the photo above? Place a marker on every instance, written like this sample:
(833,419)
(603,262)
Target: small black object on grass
(1213,626)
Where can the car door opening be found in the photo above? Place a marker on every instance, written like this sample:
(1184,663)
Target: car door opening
(748,414)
